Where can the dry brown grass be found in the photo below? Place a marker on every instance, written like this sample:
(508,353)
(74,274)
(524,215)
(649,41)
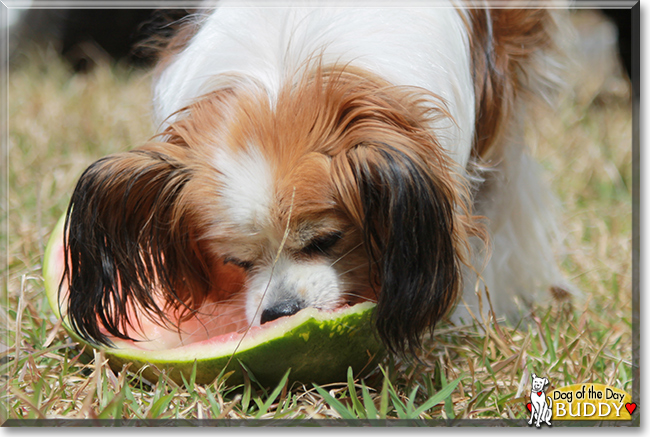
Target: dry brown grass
(60,123)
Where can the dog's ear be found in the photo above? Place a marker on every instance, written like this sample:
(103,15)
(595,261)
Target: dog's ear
(507,48)
(534,377)
(545,382)
(128,233)
(405,207)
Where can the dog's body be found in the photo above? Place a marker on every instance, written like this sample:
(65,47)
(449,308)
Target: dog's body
(317,157)
(541,411)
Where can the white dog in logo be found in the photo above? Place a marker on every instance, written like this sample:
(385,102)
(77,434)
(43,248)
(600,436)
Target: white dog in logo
(540,410)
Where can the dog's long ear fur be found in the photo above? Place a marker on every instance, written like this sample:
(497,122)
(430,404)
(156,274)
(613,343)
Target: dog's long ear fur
(413,237)
(510,55)
(127,233)
(402,190)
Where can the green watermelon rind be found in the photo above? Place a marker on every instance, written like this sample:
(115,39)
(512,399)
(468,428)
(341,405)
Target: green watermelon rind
(317,346)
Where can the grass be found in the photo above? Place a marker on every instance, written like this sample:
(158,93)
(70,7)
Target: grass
(60,123)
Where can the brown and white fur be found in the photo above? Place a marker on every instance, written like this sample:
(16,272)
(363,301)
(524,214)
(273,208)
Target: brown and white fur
(316,156)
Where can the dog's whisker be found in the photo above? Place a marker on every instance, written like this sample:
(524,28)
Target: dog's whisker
(359,297)
(231,304)
(353,269)
(346,254)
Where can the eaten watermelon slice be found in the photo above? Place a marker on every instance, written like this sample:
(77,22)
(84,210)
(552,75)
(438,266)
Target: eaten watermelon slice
(317,346)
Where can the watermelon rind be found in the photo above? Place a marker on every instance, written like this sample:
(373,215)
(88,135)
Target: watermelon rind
(317,346)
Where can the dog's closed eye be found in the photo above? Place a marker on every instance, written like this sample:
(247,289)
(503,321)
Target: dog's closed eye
(322,244)
(246,265)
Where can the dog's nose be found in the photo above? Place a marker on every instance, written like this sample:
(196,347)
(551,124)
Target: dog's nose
(278,310)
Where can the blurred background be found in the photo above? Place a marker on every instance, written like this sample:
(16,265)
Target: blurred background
(85,37)
(88,37)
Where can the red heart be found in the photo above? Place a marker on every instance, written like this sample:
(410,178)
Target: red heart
(539,393)
(530,406)
(630,407)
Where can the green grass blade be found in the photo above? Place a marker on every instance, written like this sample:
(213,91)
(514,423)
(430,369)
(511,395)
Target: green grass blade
(369,404)
(358,406)
(113,409)
(399,406)
(160,405)
(383,399)
(550,345)
(335,403)
(449,406)
(253,379)
(246,397)
(212,401)
(274,394)
(410,405)
(438,397)
(190,384)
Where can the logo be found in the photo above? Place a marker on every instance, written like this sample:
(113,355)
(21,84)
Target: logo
(577,402)
(592,402)
(540,409)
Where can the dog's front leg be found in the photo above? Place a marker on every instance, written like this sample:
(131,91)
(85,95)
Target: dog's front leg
(534,415)
(540,414)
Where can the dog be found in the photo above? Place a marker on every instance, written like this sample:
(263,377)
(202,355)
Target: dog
(540,410)
(315,156)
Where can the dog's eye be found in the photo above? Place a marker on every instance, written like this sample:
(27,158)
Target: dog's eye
(322,243)
(246,265)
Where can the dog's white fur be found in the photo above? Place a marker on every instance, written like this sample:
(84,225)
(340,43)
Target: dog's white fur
(425,47)
(270,44)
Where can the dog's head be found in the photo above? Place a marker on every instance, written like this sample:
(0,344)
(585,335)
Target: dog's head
(538,383)
(336,193)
